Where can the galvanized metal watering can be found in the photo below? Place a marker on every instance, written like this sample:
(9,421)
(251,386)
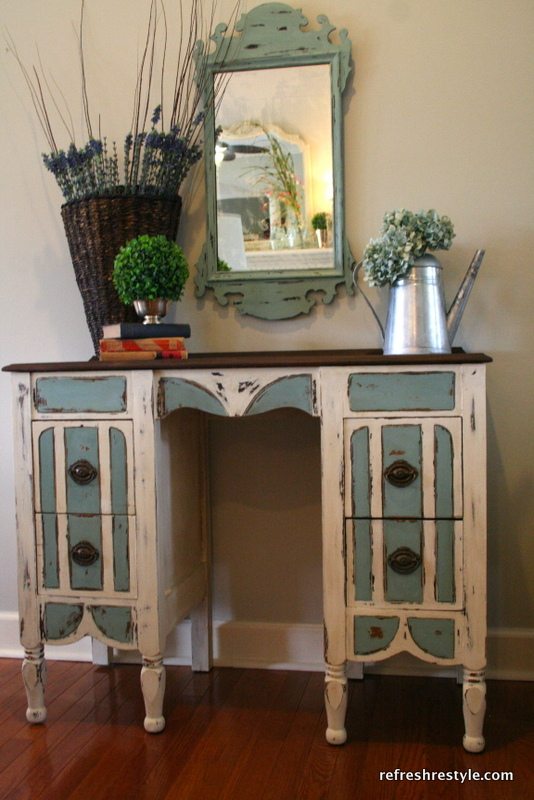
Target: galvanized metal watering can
(417,320)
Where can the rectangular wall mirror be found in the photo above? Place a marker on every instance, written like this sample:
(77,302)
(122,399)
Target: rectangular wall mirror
(275,241)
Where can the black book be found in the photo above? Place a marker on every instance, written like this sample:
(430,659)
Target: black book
(137,330)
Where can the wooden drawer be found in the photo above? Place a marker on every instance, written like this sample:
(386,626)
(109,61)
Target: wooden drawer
(379,636)
(65,621)
(403,468)
(83,468)
(89,394)
(86,554)
(415,563)
(402,391)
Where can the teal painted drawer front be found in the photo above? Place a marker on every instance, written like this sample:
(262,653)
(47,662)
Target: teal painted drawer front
(63,620)
(84,459)
(386,561)
(403,391)
(435,637)
(88,395)
(406,469)
(83,540)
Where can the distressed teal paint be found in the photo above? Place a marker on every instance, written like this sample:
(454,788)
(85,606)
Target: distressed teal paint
(81,444)
(402,443)
(361,473)
(85,529)
(407,588)
(372,634)
(363,559)
(445,583)
(443,474)
(404,391)
(292,391)
(115,622)
(178,393)
(47,471)
(50,552)
(80,395)
(121,555)
(434,636)
(119,471)
(61,619)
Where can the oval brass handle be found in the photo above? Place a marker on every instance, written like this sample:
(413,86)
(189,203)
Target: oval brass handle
(400,473)
(82,472)
(84,554)
(404,561)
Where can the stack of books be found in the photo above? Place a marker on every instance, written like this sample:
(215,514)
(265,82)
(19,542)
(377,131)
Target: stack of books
(134,341)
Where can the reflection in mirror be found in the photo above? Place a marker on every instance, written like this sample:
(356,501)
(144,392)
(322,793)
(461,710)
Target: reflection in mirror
(274,170)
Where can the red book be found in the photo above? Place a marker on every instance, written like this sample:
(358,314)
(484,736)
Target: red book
(160,344)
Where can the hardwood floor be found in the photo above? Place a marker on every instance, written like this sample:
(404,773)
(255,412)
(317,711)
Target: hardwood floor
(236,734)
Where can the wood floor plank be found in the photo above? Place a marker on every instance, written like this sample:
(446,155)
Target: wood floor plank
(133,750)
(164,757)
(237,734)
(254,768)
(229,734)
(92,716)
(288,769)
(35,745)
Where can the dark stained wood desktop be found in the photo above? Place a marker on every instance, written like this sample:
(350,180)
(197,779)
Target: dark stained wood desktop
(251,359)
(236,734)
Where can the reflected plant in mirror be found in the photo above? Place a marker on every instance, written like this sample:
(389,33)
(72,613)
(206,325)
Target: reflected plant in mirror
(276,164)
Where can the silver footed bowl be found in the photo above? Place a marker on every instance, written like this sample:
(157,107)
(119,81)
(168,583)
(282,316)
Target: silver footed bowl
(151,310)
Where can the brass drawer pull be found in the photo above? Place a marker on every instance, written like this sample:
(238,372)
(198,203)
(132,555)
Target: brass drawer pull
(82,472)
(404,561)
(84,554)
(400,473)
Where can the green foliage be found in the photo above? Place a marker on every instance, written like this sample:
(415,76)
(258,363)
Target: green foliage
(405,237)
(278,179)
(319,221)
(223,266)
(149,267)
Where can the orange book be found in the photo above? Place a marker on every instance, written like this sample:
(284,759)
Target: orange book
(159,344)
(143,355)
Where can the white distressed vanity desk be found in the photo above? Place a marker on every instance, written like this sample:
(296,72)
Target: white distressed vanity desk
(112,522)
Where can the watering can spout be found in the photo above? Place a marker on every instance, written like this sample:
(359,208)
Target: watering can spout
(459,303)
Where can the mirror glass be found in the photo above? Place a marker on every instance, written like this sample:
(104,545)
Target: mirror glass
(274,170)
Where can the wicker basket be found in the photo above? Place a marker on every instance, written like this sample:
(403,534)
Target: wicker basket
(96,229)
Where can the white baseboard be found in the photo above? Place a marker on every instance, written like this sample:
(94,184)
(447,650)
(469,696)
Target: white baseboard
(289,646)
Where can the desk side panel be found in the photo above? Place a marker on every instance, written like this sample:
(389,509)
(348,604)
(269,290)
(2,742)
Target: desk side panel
(27,580)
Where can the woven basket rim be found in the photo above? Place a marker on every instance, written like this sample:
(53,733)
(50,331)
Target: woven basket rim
(122,196)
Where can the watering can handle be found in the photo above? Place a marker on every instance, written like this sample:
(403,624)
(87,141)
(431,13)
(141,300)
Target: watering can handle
(357,286)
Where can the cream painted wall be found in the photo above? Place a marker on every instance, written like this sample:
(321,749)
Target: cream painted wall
(441,115)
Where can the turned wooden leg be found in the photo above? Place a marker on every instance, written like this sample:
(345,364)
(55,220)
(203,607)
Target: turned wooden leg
(335,696)
(153,688)
(34,677)
(474,707)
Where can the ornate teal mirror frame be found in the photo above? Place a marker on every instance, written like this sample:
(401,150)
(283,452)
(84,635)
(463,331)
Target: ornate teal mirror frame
(274,37)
